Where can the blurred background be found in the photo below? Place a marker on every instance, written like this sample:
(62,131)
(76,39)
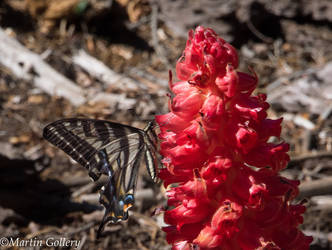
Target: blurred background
(110,60)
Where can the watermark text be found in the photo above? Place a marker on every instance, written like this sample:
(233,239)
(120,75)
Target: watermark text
(35,242)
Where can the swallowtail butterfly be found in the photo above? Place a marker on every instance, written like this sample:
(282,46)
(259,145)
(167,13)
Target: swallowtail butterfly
(110,149)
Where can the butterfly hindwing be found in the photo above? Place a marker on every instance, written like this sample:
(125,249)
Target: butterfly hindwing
(111,149)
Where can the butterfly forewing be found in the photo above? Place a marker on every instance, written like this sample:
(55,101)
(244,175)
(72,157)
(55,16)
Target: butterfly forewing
(111,149)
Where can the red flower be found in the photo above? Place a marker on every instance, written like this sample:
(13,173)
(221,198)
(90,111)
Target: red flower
(226,192)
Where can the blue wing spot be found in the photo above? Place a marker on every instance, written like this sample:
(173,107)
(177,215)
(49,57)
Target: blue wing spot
(128,202)
(129,199)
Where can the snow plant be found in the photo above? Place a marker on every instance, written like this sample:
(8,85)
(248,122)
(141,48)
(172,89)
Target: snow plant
(221,169)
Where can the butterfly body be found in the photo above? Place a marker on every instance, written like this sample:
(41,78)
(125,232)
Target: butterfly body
(110,149)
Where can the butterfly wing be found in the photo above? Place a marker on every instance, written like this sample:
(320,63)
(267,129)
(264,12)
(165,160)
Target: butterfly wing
(103,147)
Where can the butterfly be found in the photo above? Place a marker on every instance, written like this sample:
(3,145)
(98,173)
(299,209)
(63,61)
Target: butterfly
(110,149)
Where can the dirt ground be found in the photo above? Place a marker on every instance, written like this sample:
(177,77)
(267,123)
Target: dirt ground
(44,194)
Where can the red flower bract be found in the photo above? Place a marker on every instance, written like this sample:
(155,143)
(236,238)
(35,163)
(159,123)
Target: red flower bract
(226,190)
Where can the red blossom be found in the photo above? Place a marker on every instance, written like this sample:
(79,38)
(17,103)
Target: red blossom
(226,190)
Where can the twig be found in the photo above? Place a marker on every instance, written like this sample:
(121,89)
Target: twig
(300,121)
(321,202)
(259,34)
(317,187)
(275,84)
(144,220)
(309,156)
(90,198)
(323,117)
(319,235)
(82,242)
(73,181)
(141,21)
(86,188)
(158,83)
(81,229)
(30,66)
(114,101)
(43,231)
(154,33)
(140,245)
(100,71)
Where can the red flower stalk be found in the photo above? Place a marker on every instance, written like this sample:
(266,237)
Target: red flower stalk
(226,192)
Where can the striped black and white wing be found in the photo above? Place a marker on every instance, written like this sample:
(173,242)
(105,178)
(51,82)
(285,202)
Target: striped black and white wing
(111,149)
